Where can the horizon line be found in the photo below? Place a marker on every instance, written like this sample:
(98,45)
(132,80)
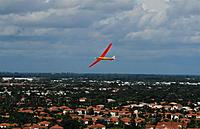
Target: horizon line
(103,73)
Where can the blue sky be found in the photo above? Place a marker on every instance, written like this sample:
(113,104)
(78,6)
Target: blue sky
(149,36)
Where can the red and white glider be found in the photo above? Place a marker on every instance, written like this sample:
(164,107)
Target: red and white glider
(102,57)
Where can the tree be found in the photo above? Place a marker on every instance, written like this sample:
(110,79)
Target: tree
(69,123)
(90,111)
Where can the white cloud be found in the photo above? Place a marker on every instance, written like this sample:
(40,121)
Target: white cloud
(154,5)
(148,34)
(8,30)
(69,25)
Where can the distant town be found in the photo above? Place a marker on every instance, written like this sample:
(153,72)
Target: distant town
(99,101)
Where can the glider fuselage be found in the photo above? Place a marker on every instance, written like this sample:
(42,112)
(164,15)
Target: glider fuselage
(105,58)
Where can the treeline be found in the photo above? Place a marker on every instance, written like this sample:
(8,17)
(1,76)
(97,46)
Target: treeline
(123,77)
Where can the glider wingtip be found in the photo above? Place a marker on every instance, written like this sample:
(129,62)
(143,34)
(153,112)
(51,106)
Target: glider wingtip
(89,66)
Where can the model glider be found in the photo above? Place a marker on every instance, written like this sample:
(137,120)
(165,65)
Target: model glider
(102,56)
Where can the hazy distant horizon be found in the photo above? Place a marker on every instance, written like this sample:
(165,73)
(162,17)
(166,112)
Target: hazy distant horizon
(145,74)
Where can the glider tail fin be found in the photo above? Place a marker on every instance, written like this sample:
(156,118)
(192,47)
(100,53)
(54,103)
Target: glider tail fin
(113,57)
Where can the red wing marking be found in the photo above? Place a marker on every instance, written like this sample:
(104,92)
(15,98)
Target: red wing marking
(106,50)
(96,61)
(102,55)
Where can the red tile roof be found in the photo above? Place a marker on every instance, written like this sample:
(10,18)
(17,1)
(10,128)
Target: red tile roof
(35,126)
(185,120)
(44,123)
(43,113)
(54,108)
(97,126)
(26,111)
(64,107)
(149,126)
(170,125)
(126,120)
(8,124)
(114,119)
(56,127)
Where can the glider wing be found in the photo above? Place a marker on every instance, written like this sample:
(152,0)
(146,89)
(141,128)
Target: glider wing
(106,50)
(102,55)
(96,61)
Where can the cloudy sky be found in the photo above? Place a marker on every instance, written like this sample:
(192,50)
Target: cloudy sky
(149,36)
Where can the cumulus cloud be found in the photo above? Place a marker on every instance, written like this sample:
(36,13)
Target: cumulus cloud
(152,28)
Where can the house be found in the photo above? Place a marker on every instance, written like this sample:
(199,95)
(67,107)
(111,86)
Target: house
(167,107)
(126,120)
(6,115)
(26,127)
(82,99)
(46,118)
(56,127)
(114,113)
(114,120)
(86,121)
(176,116)
(97,126)
(74,116)
(95,118)
(139,121)
(44,123)
(185,120)
(168,115)
(124,113)
(100,106)
(39,109)
(26,111)
(111,100)
(198,116)
(168,125)
(35,126)
(7,125)
(63,107)
(66,109)
(97,111)
(53,109)
(43,114)
(150,126)
(81,111)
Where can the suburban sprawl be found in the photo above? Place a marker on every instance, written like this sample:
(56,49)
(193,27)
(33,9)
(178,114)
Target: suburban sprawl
(99,101)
